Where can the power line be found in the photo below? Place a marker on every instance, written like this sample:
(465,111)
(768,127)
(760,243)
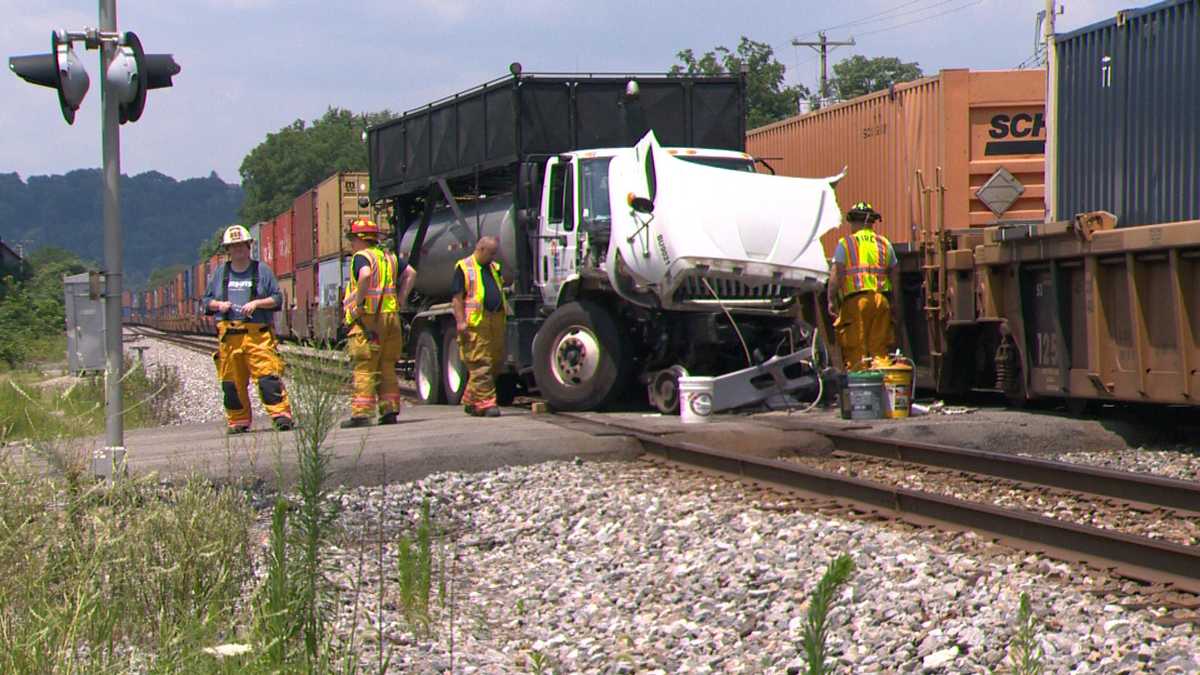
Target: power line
(888,15)
(923,19)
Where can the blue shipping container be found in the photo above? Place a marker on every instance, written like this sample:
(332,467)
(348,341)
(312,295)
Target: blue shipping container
(1129,116)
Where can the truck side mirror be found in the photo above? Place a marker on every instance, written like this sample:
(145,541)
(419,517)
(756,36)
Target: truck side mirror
(529,183)
(640,204)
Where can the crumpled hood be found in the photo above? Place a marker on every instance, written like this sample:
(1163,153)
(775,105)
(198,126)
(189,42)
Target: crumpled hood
(752,227)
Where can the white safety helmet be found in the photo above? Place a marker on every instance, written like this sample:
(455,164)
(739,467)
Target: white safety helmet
(236,234)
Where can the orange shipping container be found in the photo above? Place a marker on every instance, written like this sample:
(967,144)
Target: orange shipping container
(337,207)
(971,124)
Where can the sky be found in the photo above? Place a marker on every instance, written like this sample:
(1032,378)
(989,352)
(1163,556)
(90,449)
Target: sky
(251,67)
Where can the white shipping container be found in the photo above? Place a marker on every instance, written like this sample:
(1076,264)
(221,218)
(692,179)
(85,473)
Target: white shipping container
(256,235)
(332,276)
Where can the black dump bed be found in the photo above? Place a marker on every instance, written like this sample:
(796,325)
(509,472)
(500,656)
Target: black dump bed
(497,124)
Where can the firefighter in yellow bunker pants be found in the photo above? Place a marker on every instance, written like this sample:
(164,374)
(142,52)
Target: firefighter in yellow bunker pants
(375,341)
(480,310)
(864,265)
(242,293)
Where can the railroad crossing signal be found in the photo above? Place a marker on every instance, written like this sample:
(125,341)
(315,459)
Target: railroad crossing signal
(130,74)
(60,70)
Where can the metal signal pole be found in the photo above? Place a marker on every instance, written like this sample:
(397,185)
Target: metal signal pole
(822,46)
(114,452)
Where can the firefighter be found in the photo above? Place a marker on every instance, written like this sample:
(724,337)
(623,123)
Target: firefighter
(480,309)
(242,294)
(374,341)
(864,265)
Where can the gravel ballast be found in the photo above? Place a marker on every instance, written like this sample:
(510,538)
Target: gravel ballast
(198,399)
(634,567)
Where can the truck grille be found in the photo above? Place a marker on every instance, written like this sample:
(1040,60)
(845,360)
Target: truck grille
(693,289)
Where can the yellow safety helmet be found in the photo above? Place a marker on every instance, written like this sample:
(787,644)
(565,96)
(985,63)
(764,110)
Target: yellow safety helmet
(236,234)
(863,212)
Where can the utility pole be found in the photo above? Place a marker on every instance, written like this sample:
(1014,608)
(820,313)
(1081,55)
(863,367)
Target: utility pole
(1051,193)
(822,46)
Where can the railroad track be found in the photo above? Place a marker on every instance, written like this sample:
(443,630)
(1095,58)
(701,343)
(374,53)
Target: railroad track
(1170,565)
(308,358)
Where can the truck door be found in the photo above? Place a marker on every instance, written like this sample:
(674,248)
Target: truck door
(556,255)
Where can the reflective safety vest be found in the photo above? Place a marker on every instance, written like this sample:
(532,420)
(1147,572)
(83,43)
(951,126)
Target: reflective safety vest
(867,256)
(380,294)
(473,293)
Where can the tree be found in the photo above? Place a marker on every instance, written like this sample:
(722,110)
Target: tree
(767,100)
(209,247)
(859,75)
(163,275)
(299,156)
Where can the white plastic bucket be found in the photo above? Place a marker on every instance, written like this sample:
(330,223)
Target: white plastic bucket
(695,399)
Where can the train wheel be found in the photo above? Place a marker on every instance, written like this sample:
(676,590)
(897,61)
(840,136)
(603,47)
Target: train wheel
(580,361)
(428,368)
(454,373)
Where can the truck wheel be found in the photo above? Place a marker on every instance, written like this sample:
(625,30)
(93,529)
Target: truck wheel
(579,359)
(428,368)
(454,373)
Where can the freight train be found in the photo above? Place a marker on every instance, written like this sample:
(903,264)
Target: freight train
(1075,277)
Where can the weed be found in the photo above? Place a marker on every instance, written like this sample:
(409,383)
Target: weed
(539,662)
(415,566)
(316,399)
(96,573)
(816,625)
(1025,650)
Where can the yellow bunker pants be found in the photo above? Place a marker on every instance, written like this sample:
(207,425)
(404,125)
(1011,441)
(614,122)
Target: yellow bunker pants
(864,328)
(482,352)
(245,351)
(374,364)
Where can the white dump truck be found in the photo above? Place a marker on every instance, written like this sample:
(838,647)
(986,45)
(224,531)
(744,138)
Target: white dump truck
(639,243)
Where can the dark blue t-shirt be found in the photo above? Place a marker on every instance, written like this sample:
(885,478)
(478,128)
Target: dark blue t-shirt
(240,284)
(492,300)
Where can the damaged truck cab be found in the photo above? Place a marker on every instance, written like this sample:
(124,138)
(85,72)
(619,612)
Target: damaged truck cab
(629,263)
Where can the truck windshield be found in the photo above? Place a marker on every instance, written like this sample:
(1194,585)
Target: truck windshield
(595,211)
(734,163)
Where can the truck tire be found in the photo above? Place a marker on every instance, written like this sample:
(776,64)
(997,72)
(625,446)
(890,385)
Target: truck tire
(580,360)
(427,367)
(454,373)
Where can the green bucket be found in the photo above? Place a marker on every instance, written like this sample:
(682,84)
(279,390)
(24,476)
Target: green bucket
(862,395)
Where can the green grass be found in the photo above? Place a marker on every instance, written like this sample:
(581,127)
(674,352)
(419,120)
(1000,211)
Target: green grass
(75,408)
(99,577)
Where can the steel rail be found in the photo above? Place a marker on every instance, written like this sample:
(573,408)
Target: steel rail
(1127,555)
(205,344)
(1122,485)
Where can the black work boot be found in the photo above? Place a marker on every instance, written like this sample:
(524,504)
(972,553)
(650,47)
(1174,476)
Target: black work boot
(389,418)
(235,430)
(282,423)
(356,422)
(491,412)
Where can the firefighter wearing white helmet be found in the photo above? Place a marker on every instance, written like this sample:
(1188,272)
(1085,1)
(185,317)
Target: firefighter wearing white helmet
(243,293)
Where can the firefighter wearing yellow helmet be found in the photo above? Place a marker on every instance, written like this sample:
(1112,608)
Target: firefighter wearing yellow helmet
(379,283)
(243,293)
(864,265)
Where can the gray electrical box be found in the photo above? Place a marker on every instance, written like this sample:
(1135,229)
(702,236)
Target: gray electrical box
(85,322)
